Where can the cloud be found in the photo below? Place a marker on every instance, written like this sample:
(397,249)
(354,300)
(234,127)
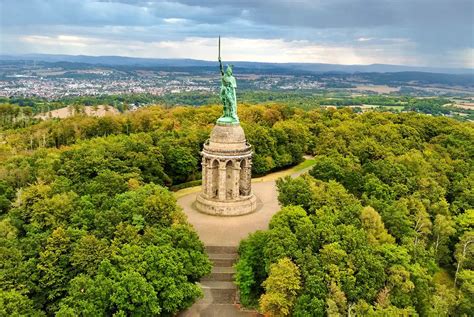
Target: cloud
(434,32)
(233,49)
(175,20)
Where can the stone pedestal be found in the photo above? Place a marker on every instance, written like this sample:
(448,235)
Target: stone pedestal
(226,173)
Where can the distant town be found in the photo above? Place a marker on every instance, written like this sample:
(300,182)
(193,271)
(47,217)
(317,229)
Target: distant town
(54,80)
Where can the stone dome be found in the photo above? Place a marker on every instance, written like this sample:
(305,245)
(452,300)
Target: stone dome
(227,137)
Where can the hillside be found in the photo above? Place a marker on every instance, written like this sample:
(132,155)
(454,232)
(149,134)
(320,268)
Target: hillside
(160,62)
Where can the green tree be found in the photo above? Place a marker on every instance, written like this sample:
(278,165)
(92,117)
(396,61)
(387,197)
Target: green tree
(87,254)
(373,224)
(54,268)
(443,229)
(294,191)
(281,288)
(13,303)
(466,296)
(181,163)
(250,269)
(464,252)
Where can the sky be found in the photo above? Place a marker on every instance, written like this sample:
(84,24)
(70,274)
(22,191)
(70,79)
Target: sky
(437,33)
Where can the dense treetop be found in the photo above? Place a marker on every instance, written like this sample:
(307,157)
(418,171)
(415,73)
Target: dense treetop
(382,225)
(87,223)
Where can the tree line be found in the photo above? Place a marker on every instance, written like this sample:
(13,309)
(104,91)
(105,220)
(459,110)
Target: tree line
(302,99)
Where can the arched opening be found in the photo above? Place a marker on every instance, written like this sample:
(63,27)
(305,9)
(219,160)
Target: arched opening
(229,179)
(214,184)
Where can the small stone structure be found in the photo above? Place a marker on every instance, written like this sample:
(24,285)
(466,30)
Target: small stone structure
(226,173)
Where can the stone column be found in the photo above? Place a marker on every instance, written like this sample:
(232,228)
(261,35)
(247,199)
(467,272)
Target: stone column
(246,178)
(248,174)
(209,184)
(242,177)
(204,175)
(236,180)
(222,181)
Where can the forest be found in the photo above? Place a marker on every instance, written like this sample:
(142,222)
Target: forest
(381,226)
(88,223)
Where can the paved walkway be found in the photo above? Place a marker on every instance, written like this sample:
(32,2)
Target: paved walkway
(224,232)
(228,231)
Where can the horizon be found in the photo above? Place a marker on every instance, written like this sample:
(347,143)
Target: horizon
(343,32)
(468,68)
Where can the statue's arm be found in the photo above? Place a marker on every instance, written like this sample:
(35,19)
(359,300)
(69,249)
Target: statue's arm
(221,68)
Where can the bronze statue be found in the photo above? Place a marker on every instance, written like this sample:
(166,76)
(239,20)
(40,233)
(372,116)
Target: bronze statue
(227,94)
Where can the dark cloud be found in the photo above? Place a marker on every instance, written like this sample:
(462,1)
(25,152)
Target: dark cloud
(433,26)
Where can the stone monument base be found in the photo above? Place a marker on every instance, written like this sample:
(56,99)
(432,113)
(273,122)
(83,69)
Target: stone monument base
(236,207)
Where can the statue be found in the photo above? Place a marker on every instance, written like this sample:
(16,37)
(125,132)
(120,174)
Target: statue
(227,94)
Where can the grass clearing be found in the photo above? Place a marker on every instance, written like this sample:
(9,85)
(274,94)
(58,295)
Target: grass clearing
(398,108)
(186,191)
(306,164)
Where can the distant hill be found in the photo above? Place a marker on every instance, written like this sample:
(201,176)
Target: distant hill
(306,67)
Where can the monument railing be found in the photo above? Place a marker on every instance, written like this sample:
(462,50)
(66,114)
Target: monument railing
(207,148)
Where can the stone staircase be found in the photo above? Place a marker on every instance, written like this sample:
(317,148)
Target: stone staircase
(220,293)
